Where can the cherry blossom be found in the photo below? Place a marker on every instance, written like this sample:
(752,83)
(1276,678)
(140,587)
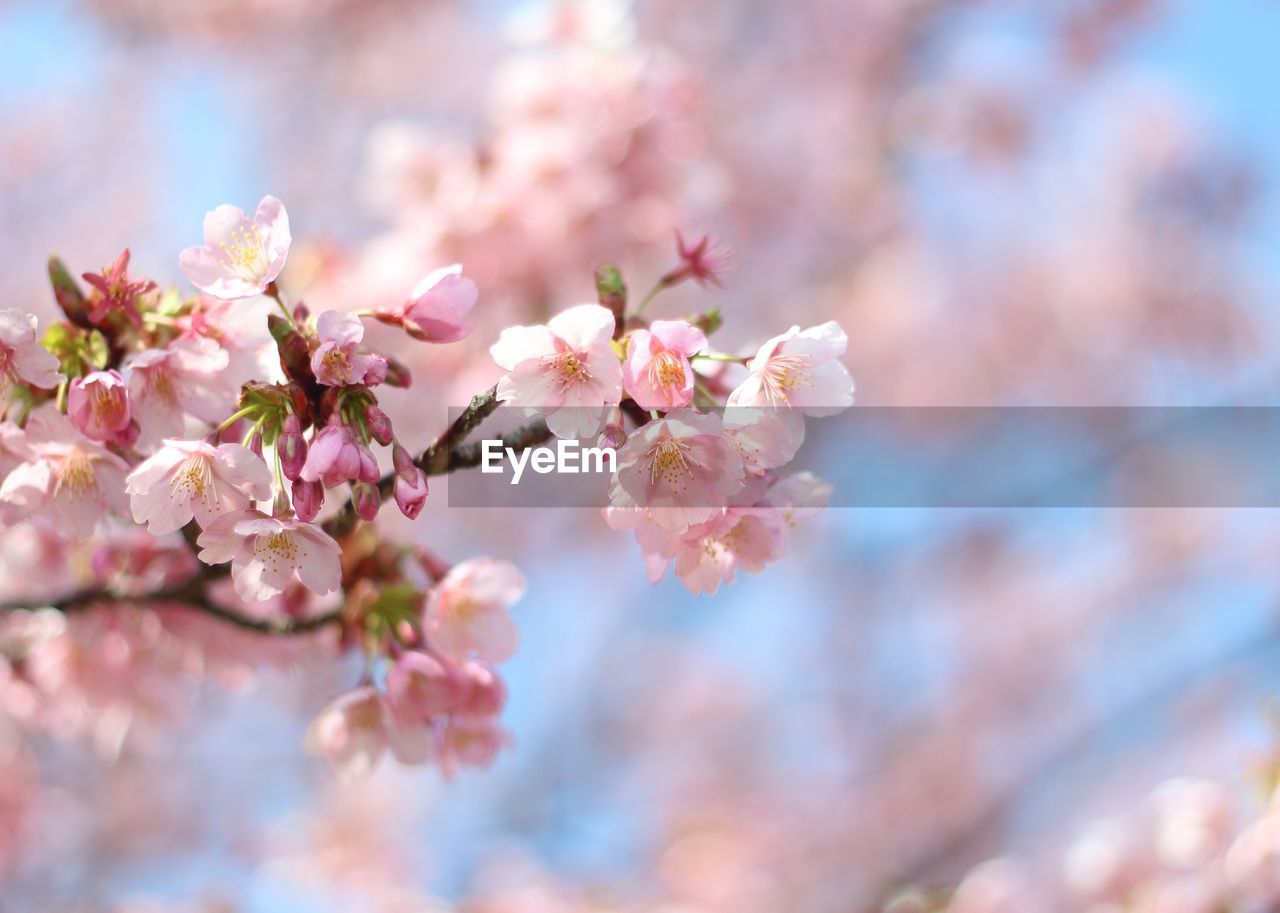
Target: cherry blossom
(335,456)
(470,741)
(438,306)
(22,359)
(421,687)
(268,553)
(681,468)
(800,369)
(466,612)
(566,371)
(657,373)
(351,733)
(98,405)
(241,256)
(337,361)
(411,487)
(701,260)
(114,292)
(66,479)
(193,479)
(165,385)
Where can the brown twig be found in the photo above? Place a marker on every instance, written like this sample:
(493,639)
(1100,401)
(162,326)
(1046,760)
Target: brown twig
(446,454)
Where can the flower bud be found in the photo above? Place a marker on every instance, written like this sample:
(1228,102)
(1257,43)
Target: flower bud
(367,500)
(420,686)
(98,405)
(401,459)
(411,491)
(397,374)
(481,691)
(379,425)
(67,293)
(292,447)
(369,471)
(308,498)
(612,437)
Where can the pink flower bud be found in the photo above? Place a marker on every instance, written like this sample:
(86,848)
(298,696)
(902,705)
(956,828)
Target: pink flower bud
(481,692)
(292,447)
(411,492)
(129,436)
(367,500)
(338,360)
(420,687)
(98,405)
(438,306)
(308,498)
(397,374)
(612,437)
(379,425)
(334,456)
(401,459)
(369,471)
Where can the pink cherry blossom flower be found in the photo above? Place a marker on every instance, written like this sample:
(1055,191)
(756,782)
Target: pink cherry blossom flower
(703,261)
(167,384)
(471,742)
(98,405)
(240,328)
(466,611)
(292,447)
(796,497)
(411,483)
(335,456)
(480,690)
(766,438)
(657,373)
(420,687)
(709,553)
(67,479)
(681,468)
(308,498)
(240,256)
(566,371)
(800,369)
(269,553)
(438,306)
(22,359)
(351,733)
(712,553)
(192,479)
(337,362)
(114,292)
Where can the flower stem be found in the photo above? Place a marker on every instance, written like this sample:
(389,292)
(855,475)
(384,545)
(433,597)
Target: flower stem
(662,285)
(721,356)
(235,417)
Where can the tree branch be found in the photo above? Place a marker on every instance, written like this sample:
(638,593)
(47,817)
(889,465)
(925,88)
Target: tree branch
(446,454)
(192,594)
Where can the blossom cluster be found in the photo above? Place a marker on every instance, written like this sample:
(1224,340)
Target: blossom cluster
(1185,851)
(698,475)
(222,422)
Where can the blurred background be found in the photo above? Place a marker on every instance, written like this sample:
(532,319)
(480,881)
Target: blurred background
(1003,202)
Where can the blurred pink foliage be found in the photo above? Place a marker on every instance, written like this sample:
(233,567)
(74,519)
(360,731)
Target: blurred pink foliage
(990,231)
